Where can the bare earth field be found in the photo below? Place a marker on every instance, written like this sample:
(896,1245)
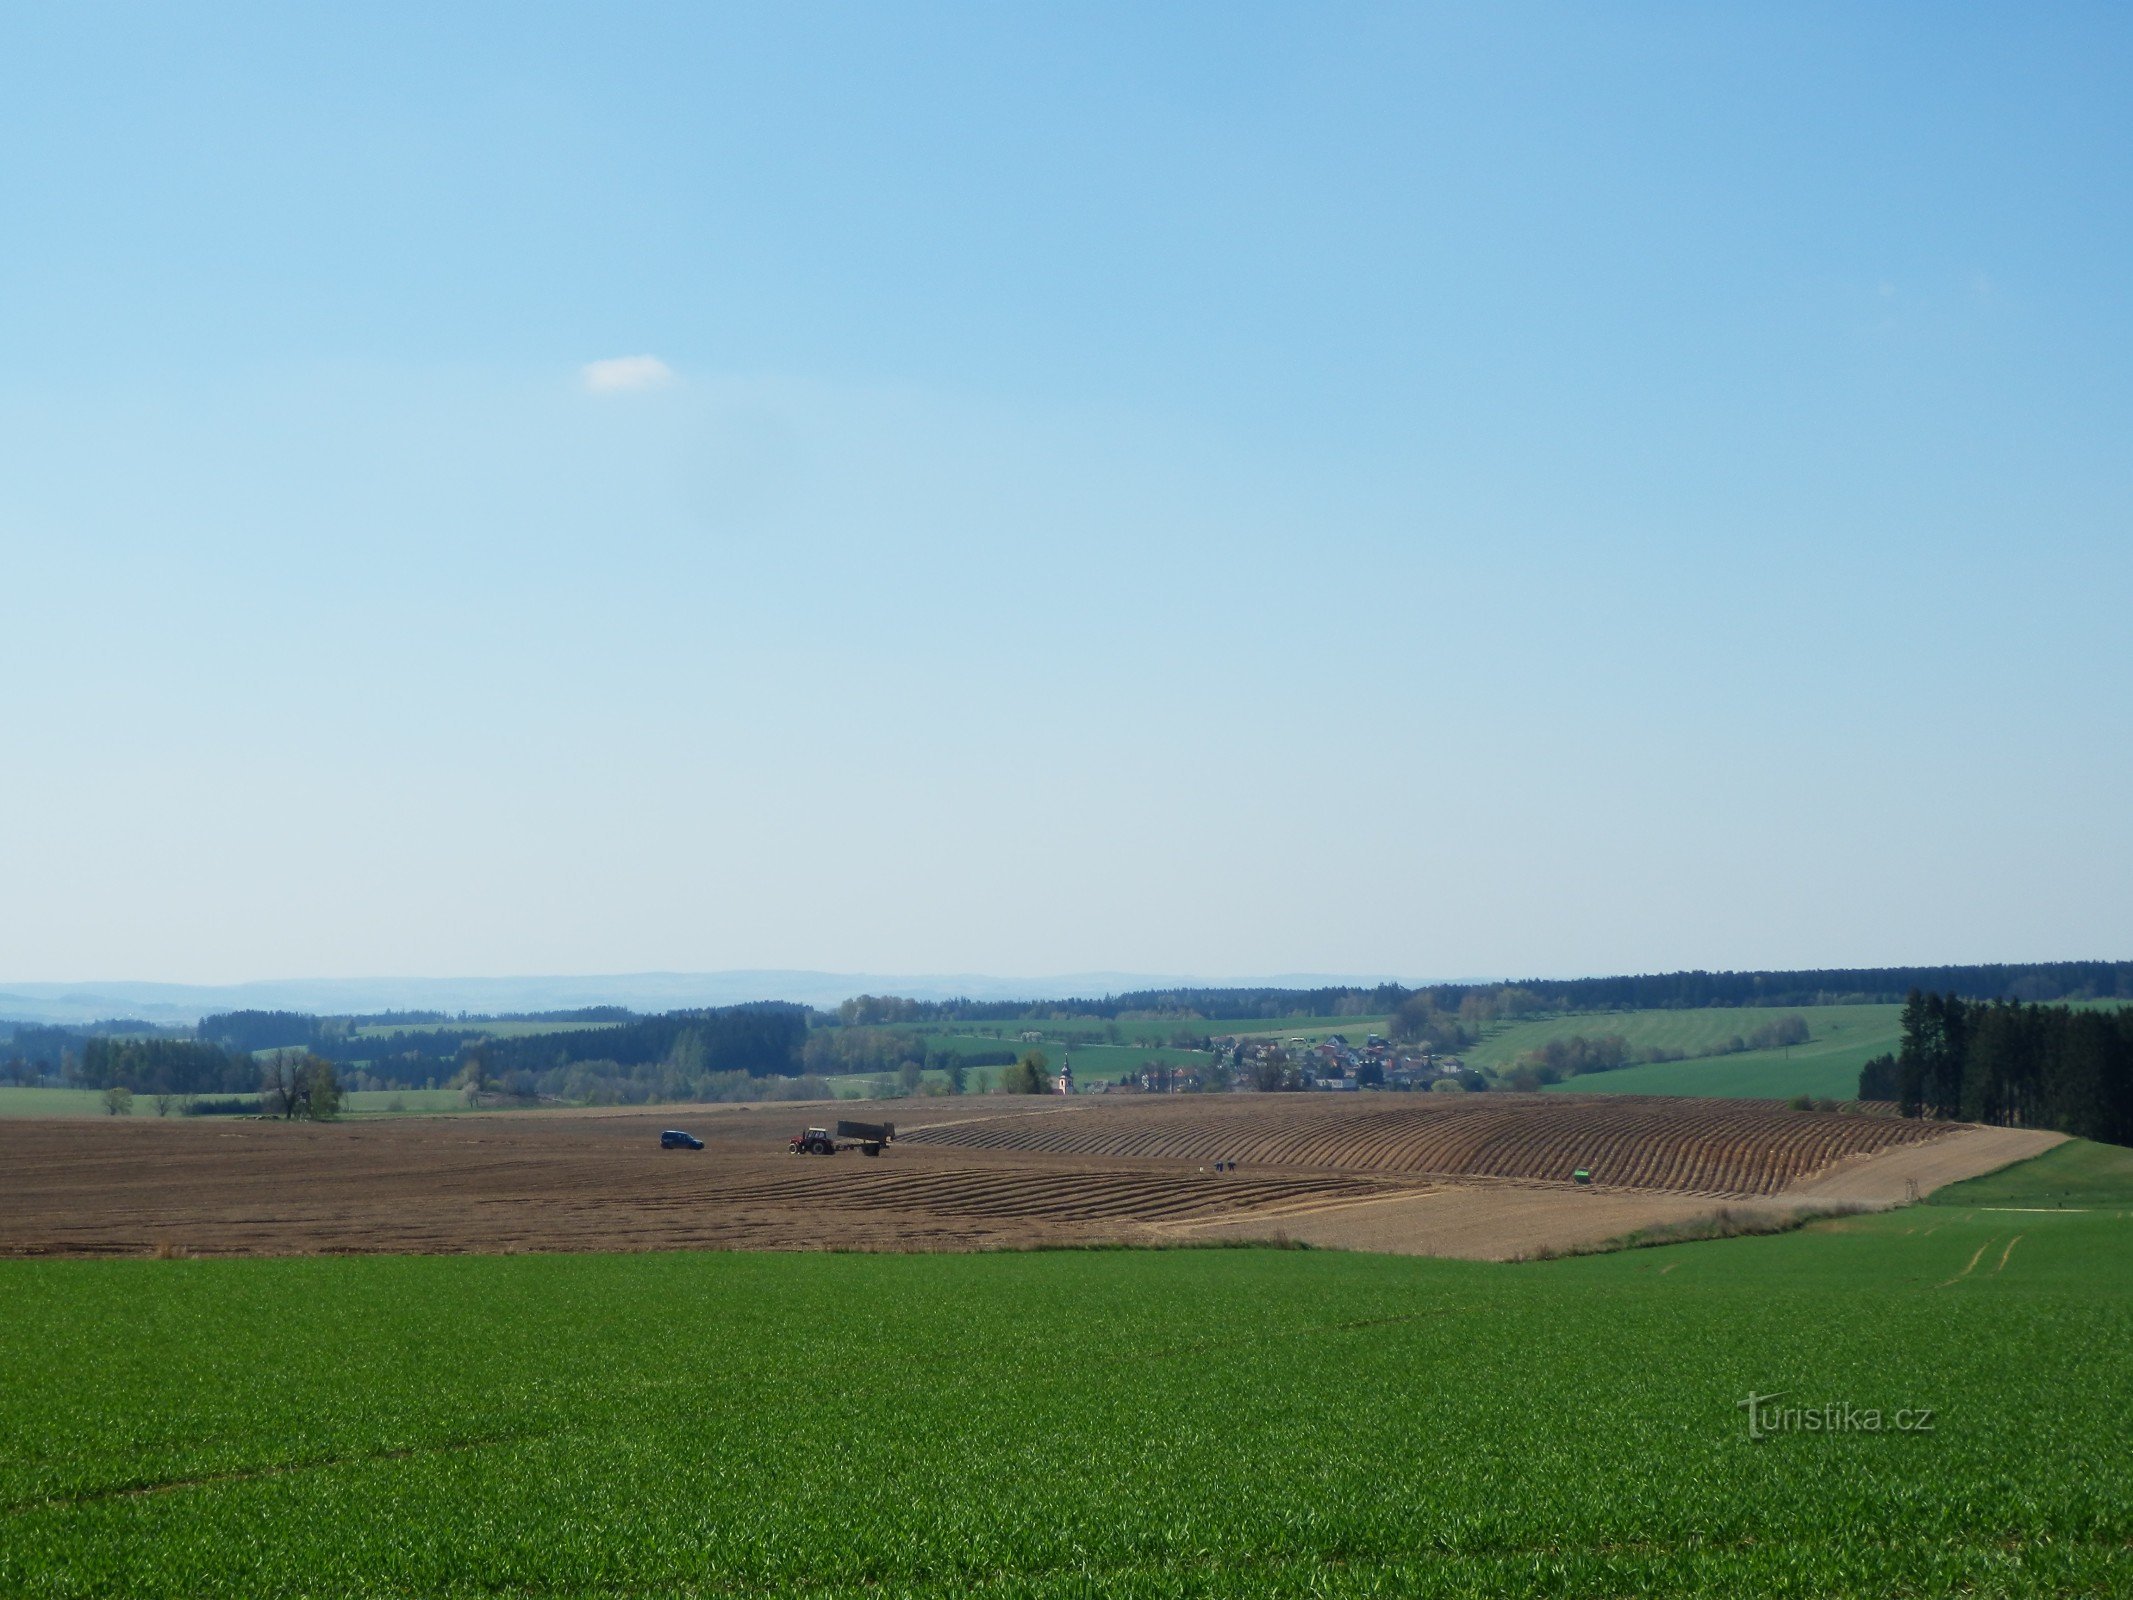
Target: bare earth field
(1480,1176)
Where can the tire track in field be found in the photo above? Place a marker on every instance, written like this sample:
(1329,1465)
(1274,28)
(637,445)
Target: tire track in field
(1972,1267)
(203,1480)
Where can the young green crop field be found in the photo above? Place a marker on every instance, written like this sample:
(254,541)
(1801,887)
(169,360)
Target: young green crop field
(1842,1039)
(356,1102)
(19,1102)
(1104,1423)
(1696,1031)
(2077,1173)
(1815,1068)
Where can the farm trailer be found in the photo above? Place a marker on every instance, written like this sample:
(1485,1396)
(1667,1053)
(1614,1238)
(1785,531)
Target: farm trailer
(868,1136)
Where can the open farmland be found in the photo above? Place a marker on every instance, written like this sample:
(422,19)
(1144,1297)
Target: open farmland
(1481,1176)
(563,1181)
(1750,1075)
(1204,1423)
(1841,1040)
(354,1102)
(1714,1148)
(1697,1032)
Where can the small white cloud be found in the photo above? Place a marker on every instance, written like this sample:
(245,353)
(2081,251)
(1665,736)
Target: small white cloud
(621,374)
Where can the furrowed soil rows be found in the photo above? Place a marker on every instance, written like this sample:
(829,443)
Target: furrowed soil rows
(1429,1173)
(1717,1148)
(1073,1196)
(546,1181)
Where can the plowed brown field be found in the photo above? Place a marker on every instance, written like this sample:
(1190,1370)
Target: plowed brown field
(1728,1148)
(1484,1176)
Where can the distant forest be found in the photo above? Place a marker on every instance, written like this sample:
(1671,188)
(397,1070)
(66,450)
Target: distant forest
(681,1055)
(2051,980)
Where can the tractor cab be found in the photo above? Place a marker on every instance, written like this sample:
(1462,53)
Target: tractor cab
(813,1142)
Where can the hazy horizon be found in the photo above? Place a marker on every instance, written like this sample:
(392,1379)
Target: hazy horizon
(489,994)
(105,1000)
(974,489)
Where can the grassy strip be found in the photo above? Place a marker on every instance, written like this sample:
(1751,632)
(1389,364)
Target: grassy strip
(1726,1222)
(2078,1173)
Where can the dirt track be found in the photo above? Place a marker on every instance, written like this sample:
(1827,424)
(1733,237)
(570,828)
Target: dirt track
(1915,1171)
(975,1178)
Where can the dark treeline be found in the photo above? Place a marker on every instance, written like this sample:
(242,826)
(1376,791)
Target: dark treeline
(409,1056)
(870,1010)
(2041,981)
(747,1052)
(165,1066)
(408,1019)
(763,1040)
(31,1052)
(661,1057)
(2051,980)
(402,1057)
(429,1036)
(265,1030)
(2007,1063)
(35,1052)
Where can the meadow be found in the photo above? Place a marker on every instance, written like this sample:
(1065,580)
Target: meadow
(1841,1040)
(2078,1173)
(1752,1074)
(1083,1422)
(1694,1031)
(17,1102)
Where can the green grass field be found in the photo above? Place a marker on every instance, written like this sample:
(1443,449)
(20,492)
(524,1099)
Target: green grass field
(90,1102)
(1757,1075)
(1695,1032)
(17,1102)
(2077,1173)
(1842,1039)
(1083,1423)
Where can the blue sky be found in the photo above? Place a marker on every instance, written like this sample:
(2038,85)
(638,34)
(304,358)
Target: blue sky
(1437,491)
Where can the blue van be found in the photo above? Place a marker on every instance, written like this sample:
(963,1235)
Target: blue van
(675,1139)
